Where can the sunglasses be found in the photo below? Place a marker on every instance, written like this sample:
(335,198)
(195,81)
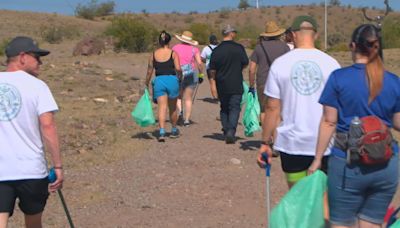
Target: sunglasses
(36,56)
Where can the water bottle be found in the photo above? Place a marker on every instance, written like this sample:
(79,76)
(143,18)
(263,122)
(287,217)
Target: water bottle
(354,136)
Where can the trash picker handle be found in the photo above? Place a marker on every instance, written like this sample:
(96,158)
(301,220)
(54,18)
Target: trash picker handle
(268,166)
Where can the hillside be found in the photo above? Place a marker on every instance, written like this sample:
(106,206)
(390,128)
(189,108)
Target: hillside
(249,23)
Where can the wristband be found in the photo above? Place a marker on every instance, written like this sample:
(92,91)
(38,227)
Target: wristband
(269,143)
(57,167)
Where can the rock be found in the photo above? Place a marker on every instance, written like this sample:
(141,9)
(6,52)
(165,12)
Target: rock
(107,72)
(82,151)
(109,79)
(52,66)
(235,161)
(100,100)
(89,46)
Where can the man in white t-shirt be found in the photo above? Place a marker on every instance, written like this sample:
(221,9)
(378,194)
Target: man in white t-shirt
(26,126)
(293,87)
(206,54)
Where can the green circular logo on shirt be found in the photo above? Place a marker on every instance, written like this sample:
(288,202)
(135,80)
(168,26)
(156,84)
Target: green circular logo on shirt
(10,102)
(306,77)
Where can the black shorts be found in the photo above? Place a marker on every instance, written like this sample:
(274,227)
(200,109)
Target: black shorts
(297,163)
(32,195)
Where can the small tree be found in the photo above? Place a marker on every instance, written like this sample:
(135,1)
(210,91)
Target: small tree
(133,34)
(94,9)
(243,4)
(334,2)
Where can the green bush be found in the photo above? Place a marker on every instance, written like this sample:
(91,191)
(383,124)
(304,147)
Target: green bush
(94,9)
(132,34)
(3,45)
(201,32)
(391,32)
(55,33)
(339,47)
(249,31)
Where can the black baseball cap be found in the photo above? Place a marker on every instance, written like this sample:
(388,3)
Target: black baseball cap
(212,38)
(24,44)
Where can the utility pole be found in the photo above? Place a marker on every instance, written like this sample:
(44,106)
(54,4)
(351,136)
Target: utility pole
(326,25)
(257,4)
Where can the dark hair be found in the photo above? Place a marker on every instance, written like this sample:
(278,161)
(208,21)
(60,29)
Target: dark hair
(367,43)
(164,38)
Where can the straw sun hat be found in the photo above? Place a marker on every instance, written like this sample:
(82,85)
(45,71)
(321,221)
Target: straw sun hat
(187,37)
(272,29)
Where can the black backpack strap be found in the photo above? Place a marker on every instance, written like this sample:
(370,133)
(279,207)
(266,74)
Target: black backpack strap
(209,46)
(266,54)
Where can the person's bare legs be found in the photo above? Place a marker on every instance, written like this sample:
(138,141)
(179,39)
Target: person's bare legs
(4,219)
(365,224)
(179,105)
(33,221)
(173,112)
(336,226)
(187,96)
(162,110)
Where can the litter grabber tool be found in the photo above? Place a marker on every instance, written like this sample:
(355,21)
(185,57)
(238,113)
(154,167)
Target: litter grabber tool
(52,178)
(195,93)
(267,187)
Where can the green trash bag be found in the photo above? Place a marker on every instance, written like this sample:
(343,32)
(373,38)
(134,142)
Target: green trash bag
(245,93)
(396,224)
(250,117)
(302,206)
(143,111)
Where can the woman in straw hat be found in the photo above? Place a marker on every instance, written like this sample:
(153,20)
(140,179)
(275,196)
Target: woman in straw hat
(166,84)
(191,65)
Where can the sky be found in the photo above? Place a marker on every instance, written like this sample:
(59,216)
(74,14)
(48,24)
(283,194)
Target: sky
(67,7)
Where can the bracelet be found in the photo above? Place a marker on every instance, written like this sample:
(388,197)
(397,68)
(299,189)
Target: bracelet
(57,167)
(270,142)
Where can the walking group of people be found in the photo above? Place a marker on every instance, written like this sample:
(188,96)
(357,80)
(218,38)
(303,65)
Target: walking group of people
(306,99)
(311,101)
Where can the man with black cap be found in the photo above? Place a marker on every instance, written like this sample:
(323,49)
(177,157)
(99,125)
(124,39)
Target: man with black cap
(26,126)
(226,65)
(294,85)
(206,53)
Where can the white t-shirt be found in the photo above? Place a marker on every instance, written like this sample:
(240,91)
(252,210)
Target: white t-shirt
(23,98)
(206,53)
(297,78)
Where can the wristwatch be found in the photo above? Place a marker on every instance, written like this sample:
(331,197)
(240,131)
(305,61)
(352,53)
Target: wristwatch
(270,142)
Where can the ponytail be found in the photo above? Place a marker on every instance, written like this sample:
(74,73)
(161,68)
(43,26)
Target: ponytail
(366,38)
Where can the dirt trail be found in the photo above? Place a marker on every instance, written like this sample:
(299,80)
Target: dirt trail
(128,179)
(186,182)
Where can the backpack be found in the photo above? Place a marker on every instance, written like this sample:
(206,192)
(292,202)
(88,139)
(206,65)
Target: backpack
(187,69)
(376,141)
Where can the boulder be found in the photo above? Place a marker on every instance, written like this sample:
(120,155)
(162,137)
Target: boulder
(89,46)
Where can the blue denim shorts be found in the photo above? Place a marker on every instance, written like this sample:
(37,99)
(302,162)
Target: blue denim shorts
(190,81)
(359,191)
(166,85)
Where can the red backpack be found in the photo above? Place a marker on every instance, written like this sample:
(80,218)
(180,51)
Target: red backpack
(375,143)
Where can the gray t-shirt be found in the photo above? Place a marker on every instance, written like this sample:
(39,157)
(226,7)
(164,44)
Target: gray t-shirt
(274,49)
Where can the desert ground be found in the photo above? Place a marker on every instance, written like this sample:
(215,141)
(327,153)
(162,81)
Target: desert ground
(118,175)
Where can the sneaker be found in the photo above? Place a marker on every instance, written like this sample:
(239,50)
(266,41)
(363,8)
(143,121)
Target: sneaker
(229,137)
(161,136)
(174,133)
(186,123)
